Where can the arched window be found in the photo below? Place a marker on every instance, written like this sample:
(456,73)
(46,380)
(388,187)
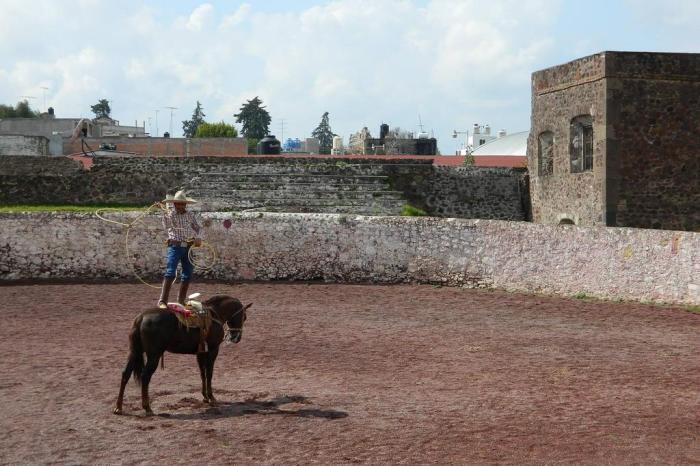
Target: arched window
(581,144)
(545,153)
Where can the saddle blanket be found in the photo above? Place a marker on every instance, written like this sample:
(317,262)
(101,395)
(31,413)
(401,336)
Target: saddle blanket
(189,317)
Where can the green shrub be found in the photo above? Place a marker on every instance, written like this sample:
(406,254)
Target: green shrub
(409,211)
(215,130)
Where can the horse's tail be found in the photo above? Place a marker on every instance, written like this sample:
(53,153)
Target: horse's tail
(136,349)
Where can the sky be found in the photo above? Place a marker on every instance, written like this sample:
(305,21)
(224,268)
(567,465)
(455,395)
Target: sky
(446,63)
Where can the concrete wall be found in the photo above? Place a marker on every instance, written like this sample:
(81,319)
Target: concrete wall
(23,145)
(166,146)
(37,126)
(615,263)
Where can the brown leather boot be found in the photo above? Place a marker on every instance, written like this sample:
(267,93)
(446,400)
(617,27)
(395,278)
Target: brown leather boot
(182,295)
(164,292)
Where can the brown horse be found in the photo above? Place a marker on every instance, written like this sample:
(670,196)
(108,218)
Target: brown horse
(156,331)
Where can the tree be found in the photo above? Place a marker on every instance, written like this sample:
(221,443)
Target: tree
(101,109)
(21,110)
(254,119)
(324,135)
(189,127)
(215,130)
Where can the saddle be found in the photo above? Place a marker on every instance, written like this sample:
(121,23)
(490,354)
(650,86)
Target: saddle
(193,315)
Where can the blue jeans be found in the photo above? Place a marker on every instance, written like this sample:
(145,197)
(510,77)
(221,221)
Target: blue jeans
(175,255)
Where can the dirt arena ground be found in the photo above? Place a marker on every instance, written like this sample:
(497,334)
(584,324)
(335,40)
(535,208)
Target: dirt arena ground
(342,374)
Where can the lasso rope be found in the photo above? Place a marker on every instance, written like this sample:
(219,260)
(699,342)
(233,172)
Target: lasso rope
(207,264)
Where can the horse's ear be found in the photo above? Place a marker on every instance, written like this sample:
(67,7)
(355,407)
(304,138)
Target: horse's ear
(247,306)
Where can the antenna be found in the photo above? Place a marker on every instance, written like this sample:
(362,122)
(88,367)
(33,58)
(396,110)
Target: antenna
(171,119)
(420,123)
(44,88)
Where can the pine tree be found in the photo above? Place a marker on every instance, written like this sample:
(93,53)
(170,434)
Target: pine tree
(324,135)
(254,119)
(101,109)
(189,127)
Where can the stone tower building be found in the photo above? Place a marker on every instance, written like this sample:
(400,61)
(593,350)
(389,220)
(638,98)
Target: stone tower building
(615,140)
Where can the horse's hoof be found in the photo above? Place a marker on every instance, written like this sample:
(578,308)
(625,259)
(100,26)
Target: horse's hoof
(212,400)
(117,411)
(205,400)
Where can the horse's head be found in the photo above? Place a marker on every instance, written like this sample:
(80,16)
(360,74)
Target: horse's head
(235,323)
(232,312)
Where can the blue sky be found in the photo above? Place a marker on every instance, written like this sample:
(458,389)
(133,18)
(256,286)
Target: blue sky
(454,62)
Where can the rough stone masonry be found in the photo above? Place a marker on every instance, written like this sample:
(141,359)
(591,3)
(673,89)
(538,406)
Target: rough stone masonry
(612,263)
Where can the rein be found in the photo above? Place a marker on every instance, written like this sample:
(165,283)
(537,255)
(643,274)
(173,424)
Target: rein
(222,322)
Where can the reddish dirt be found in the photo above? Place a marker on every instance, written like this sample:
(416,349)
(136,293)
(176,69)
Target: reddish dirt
(338,374)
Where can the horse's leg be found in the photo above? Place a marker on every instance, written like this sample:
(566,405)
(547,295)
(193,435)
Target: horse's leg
(151,366)
(126,373)
(202,362)
(213,352)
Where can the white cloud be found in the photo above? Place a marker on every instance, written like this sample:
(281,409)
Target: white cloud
(453,61)
(236,18)
(199,17)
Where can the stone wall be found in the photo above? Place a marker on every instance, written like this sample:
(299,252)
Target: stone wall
(165,146)
(60,180)
(653,163)
(645,109)
(371,186)
(560,94)
(464,192)
(614,263)
(12,144)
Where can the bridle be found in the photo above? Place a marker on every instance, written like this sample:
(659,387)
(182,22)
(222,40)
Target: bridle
(224,323)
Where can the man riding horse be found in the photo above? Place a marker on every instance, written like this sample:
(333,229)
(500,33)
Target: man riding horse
(183,232)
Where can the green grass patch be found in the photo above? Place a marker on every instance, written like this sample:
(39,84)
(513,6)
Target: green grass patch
(695,308)
(409,211)
(65,208)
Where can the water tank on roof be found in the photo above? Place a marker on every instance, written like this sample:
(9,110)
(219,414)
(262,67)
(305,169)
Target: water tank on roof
(383,130)
(269,145)
(501,133)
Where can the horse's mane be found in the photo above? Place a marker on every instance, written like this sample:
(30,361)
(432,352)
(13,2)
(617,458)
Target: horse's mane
(217,300)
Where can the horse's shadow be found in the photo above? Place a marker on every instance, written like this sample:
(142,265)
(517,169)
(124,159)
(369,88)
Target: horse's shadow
(251,406)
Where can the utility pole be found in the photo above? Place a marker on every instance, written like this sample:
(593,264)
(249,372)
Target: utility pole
(171,119)
(157,134)
(467,148)
(281,130)
(44,88)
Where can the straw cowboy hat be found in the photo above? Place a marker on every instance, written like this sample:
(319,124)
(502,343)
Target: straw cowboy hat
(179,197)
